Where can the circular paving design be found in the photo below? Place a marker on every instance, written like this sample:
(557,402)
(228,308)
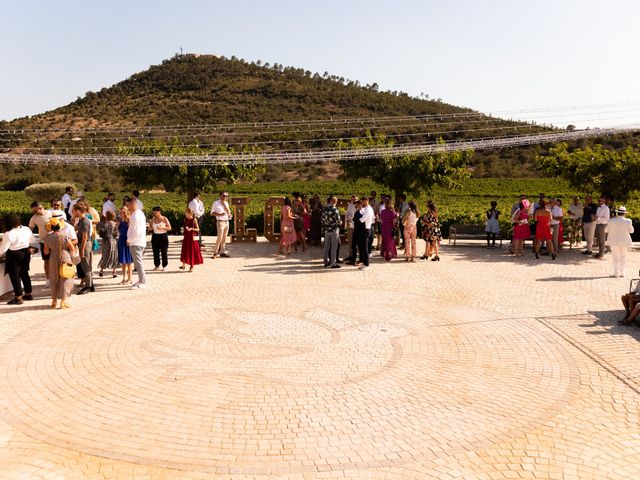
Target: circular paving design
(209,385)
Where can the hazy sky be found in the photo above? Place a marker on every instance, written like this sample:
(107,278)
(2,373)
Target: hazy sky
(488,55)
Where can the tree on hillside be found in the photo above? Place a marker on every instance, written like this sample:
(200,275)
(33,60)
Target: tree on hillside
(411,174)
(595,168)
(182,178)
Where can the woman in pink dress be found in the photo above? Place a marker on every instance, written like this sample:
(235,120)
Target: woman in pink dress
(190,253)
(388,218)
(287,232)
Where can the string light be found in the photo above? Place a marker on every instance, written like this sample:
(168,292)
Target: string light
(326,155)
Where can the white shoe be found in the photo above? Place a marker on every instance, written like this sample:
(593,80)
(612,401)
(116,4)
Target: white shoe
(138,285)
(47,284)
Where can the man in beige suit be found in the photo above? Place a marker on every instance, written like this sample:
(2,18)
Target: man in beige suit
(619,230)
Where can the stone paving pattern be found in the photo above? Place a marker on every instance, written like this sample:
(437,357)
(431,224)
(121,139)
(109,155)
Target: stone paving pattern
(480,366)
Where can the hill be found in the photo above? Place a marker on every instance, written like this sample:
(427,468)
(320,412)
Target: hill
(205,89)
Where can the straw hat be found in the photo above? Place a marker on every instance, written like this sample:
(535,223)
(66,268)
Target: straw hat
(55,221)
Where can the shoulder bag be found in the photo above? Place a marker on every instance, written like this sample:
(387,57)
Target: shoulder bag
(66,270)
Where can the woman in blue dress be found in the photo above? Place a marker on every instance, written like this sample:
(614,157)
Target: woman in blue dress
(124,255)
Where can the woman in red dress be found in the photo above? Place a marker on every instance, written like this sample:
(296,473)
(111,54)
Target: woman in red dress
(190,253)
(543,229)
(521,230)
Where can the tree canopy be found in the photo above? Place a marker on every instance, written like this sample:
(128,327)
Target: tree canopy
(411,174)
(182,178)
(596,168)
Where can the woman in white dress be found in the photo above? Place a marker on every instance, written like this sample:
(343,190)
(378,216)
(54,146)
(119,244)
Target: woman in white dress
(492,227)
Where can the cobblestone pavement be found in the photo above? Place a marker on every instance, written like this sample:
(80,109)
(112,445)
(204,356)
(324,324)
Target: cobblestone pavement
(480,366)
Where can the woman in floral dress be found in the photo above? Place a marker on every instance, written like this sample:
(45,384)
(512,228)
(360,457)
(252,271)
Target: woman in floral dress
(60,248)
(108,232)
(432,233)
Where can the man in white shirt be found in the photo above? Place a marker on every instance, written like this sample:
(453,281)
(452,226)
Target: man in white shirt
(109,205)
(39,220)
(619,230)
(367,219)
(79,196)
(556,219)
(66,199)
(15,243)
(136,198)
(197,207)
(375,207)
(137,240)
(220,210)
(602,219)
(56,210)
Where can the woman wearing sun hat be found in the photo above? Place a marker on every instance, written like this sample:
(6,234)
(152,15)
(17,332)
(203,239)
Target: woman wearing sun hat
(60,248)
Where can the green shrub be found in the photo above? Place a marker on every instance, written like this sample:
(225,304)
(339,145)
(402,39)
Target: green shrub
(45,192)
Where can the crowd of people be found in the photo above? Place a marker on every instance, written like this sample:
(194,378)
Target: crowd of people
(70,227)
(69,230)
(371,225)
(68,234)
(603,226)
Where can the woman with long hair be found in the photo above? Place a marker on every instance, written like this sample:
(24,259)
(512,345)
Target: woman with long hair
(124,254)
(432,233)
(542,217)
(287,231)
(299,211)
(409,221)
(492,227)
(108,231)
(521,229)
(160,228)
(190,253)
(388,217)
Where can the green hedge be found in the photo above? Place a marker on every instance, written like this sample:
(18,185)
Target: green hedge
(465,205)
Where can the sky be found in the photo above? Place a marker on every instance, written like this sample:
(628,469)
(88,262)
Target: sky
(500,56)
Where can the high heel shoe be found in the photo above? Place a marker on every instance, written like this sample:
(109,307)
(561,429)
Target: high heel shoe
(54,304)
(553,256)
(435,259)
(537,256)
(424,257)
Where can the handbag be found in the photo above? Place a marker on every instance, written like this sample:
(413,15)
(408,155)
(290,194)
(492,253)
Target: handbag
(196,238)
(66,270)
(287,229)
